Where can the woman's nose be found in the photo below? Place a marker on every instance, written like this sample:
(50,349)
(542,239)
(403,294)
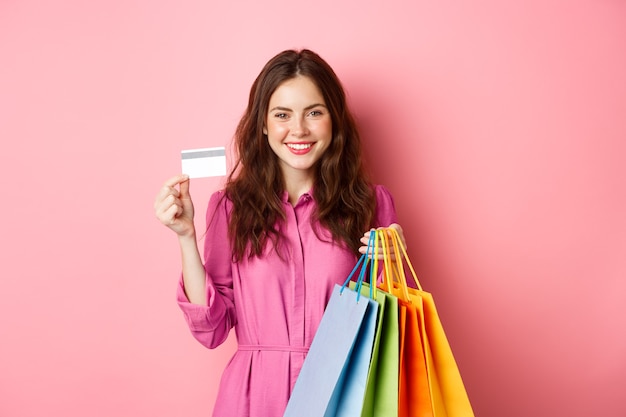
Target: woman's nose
(299,128)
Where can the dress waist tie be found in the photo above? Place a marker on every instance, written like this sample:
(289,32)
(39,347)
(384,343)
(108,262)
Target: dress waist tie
(276,348)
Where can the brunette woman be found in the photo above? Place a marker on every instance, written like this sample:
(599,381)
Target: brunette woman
(288,226)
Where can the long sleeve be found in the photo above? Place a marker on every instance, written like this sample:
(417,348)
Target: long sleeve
(211,324)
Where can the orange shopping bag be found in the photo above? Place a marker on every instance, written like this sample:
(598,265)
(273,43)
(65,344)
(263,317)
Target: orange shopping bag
(432,381)
(413,387)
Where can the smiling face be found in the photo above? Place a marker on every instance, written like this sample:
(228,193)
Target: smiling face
(298,126)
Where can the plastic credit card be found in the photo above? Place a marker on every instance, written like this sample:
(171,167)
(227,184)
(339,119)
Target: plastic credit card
(204,162)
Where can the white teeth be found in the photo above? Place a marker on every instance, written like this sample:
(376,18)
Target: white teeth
(299,146)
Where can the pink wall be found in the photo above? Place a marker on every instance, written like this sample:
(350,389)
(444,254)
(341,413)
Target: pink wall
(499,126)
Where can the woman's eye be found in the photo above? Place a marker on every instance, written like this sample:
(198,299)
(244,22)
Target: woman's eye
(280,115)
(315,113)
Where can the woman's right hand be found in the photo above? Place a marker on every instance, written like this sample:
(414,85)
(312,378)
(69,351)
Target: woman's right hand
(173,206)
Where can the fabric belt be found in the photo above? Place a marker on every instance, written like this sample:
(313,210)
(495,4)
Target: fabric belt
(276,348)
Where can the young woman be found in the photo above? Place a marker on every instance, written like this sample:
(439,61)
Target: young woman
(294,215)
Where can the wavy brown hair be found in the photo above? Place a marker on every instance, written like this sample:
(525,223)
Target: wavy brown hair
(343,194)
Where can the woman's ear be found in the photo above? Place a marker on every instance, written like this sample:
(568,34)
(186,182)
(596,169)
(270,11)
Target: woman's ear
(265,130)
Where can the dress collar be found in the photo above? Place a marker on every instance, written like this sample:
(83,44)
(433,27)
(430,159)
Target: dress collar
(308,196)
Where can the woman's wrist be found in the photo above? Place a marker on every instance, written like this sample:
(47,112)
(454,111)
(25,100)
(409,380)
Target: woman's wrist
(188,238)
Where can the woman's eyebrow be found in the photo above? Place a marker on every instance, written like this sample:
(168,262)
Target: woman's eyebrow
(315,105)
(281,108)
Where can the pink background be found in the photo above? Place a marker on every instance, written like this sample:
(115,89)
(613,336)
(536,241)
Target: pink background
(499,126)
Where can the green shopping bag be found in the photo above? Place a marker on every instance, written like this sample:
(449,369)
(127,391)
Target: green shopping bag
(381,390)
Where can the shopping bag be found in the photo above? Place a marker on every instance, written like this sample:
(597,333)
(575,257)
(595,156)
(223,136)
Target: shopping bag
(334,373)
(429,372)
(414,397)
(381,391)
(413,387)
(447,389)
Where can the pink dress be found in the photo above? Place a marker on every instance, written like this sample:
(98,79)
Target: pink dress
(274,304)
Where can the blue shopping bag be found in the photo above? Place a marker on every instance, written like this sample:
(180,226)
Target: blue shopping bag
(334,373)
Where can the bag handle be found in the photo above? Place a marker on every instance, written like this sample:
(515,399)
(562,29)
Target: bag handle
(400,255)
(374,268)
(393,273)
(363,261)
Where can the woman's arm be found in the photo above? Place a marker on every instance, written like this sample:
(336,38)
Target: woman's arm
(174,208)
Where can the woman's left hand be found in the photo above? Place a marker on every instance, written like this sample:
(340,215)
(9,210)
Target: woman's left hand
(366,237)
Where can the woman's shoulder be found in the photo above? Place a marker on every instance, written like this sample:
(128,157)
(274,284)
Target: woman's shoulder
(218,195)
(219,203)
(382,192)
(385,206)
